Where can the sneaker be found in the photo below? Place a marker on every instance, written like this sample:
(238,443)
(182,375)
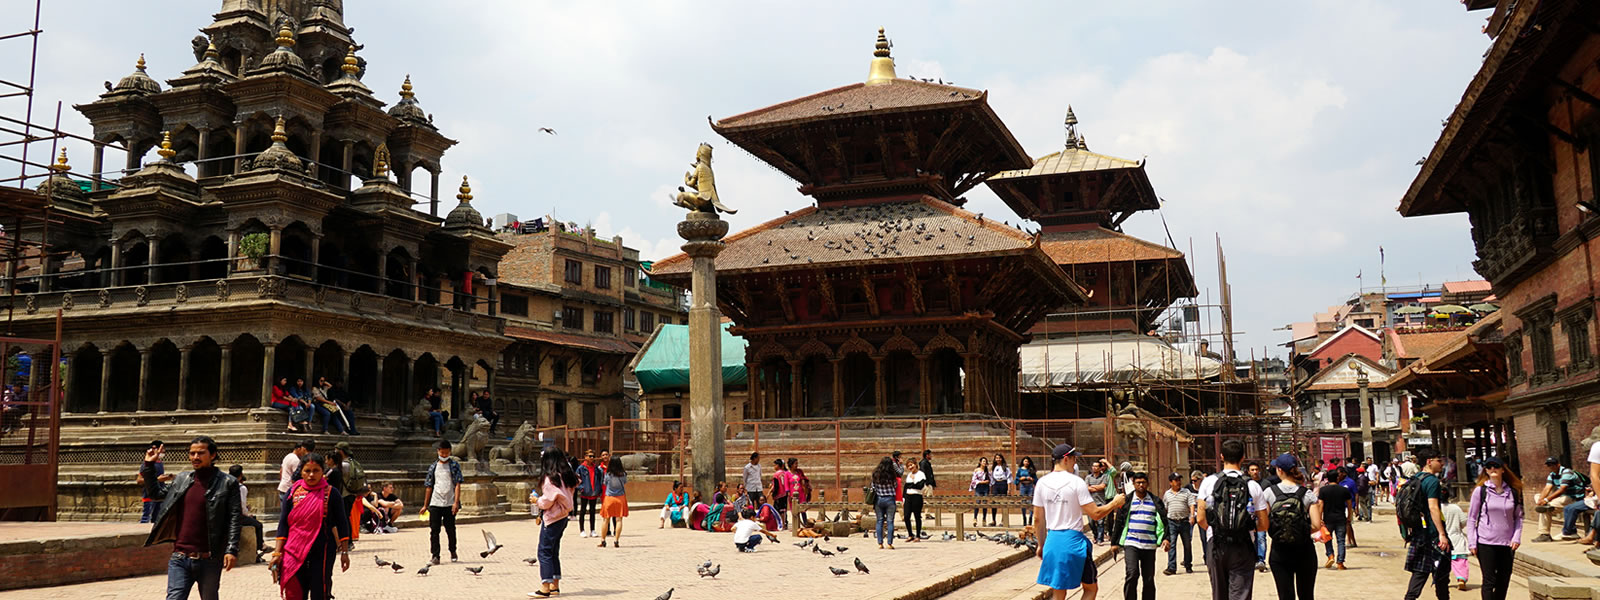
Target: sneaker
(1543,538)
(1188,569)
(1261,566)
(1568,536)
(453,557)
(1169,572)
(1329,564)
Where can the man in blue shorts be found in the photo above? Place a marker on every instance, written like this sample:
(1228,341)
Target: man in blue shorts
(1061,500)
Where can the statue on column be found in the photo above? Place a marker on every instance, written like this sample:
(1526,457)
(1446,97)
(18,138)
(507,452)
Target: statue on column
(702,183)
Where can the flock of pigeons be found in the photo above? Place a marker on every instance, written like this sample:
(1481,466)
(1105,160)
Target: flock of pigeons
(491,546)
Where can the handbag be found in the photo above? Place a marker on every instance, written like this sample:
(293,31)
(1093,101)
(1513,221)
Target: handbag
(300,413)
(870,494)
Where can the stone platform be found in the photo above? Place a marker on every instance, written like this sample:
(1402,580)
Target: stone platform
(42,554)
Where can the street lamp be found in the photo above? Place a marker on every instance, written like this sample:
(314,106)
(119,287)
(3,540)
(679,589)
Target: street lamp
(1366,411)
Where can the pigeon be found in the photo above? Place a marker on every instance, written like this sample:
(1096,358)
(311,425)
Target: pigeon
(825,553)
(706,564)
(861,566)
(827,539)
(838,571)
(797,545)
(711,572)
(547,130)
(489,542)
(948,536)
(424,569)
(816,549)
(531,560)
(475,570)
(667,595)
(867,535)
(381,562)
(773,538)
(841,549)
(396,566)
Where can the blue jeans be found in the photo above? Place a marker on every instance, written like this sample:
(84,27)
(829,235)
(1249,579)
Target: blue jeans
(337,422)
(1338,532)
(550,551)
(1261,546)
(321,415)
(150,509)
(438,421)
(884,510)
(1569,517)
(1181,528)
(184,572)
(750,544)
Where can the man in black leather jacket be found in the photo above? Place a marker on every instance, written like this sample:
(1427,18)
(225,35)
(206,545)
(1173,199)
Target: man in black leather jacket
(202,522)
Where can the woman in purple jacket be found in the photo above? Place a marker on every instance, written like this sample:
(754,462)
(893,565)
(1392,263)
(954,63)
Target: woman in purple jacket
(1494,525)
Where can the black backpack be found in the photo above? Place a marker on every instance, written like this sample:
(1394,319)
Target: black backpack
(1288,521)
(1231,511)
(1410,506)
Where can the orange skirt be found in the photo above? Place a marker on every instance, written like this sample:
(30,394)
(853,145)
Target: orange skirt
(614,506)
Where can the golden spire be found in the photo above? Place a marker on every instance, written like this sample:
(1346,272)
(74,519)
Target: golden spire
(285,37)
(279,134)
(140,65)
(882,69)
(466,191)
(61,165)
(349,66)
(405,88)
(380,161)
(211,52)
(166,152)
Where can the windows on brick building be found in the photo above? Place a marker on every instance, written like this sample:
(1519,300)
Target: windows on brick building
(1575,324)
(574,272)
(513,304)
(571,317)
(602,277)
(627,319)
(590,371)
(1514,372)
(647,321)
(1538,326)
(558,375)
(630,277)
(604,321)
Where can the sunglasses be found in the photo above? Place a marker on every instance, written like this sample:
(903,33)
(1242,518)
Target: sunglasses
(1493,467)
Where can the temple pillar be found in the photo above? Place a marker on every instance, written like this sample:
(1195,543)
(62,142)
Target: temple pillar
(316,255)
(969,380)
(132,165)
(310,356)
(238,147)
(152,244)
(837,366)
(97,180)
(316,154)
(183,376)
(116,264)
(144,379)
(407,389)
(879,386)
(274,245)
(344,369)
(377,387)
(383,273)
(796,391)
(346,162)
(200,151)
(269,355)
(34,371)
(105,380)
(433,192)
(225,385)
(752,391)
(233,249)
(924,389)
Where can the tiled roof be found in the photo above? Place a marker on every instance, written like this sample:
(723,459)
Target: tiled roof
(1420,343)
(1458,287)
(1071,160)
(854,100)
(917,227)
(597,344)
(1100,245)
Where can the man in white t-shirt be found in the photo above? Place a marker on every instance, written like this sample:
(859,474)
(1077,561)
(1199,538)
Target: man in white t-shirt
(747,532)
(290,469)
(1061,502)
(1232,560)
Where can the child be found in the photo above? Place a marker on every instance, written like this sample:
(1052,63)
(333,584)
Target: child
(1455,523)
(744,532)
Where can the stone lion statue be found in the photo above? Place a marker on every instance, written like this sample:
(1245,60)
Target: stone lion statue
(703,183)
(474,443)
(419,415)
(523,448)
(642,462)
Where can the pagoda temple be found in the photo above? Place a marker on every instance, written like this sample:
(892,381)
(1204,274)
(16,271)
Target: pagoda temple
(885,297)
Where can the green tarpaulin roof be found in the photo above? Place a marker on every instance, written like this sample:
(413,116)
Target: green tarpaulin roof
(664,361)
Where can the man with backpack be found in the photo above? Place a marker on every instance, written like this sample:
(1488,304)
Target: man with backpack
(1427,546)
(355,486)
(1231,508)
(1562,486)
(1336,513)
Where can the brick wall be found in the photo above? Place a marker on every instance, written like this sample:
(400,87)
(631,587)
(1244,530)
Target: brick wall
(58,564)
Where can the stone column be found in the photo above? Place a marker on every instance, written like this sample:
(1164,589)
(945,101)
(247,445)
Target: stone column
(316,153)
(346,163)
(310,362)
(225,384)
(382,276)
(238,147)
(344,368)
(34,372)
(880,386)
(924,390)
(96,178)
(269,355)
(200,156)
(703,233)
(752,390)
(316,255)
(433,195)
(408,381)
(969,387)
(116,264)
(144,379)
(152,244)
(837,366)
(105,380)
(233,249)
(183,377)
(797,392)
(377,388)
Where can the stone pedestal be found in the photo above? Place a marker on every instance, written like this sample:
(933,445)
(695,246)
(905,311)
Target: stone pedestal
(703,233)
(481,499)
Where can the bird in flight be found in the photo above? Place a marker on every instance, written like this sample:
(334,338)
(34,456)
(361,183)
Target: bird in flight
(547,130)
(490,543)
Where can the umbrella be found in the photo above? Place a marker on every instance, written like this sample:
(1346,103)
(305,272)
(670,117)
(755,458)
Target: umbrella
(1410,310)
(1451,309)
(1483,307)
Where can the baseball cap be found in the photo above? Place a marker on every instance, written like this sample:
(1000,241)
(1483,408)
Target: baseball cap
(1174,477)
(1493,462)
(343,447)
(1285,461)
(1063,451)
(1551,461)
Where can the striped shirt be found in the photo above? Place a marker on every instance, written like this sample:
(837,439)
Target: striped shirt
(1141,531)
(1180,504)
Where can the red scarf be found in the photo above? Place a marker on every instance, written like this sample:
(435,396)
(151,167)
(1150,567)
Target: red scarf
(305,523)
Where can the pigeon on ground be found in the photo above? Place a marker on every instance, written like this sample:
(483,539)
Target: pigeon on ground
(381,562)
(706,564)
(475,570)
(861,566)
(490,543)
(667,595)
(424,569)
(866,534)
(396,566)
(824,553)
(712,572)
(530,560)
(797,545)
(772,538)
(948,536)
(826,539)
(841,549)
(838,571)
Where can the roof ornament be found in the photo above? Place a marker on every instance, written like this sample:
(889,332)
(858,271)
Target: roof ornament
(405,89)
(465,193)
(380,160)
(140,65)
(349,67)
(61,165)
(882,69)
(166,152)
(285,37)
(1072,128)
(277,156)
(701,193)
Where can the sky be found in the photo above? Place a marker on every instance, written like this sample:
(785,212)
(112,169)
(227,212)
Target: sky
(1288,130)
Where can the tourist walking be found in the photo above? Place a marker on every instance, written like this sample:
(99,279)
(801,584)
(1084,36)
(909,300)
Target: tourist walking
(153,480)
(1365,490)
(1179,507)
(1336,516)
(200,516)
(354,479)
(1294,512)
(883,487)
(673,506)
(289,468)
(442,488)
(1098,480)
(999,485)
(915,482)
(615,505)
(1027,475)
(591,479)
(555,503)
(1144,529)
(1494,525)
(313,527)
(1428,547)
(979,487)
(1062,501)
(1254,472)
(1455,526)
(752,479)
(246,519)
(1231,508)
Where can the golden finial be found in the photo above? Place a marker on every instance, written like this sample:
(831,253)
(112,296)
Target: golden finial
(466,191)
(350,62)
(380,161)
(279,134)
(166,152)
(140,65)
(285,37)
(405,88)
(882,70)
(211,51)
(61,165)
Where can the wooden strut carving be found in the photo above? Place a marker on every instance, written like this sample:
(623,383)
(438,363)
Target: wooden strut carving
(871,293)
(825,287)
(788,306)
(954,285)
(914,290)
